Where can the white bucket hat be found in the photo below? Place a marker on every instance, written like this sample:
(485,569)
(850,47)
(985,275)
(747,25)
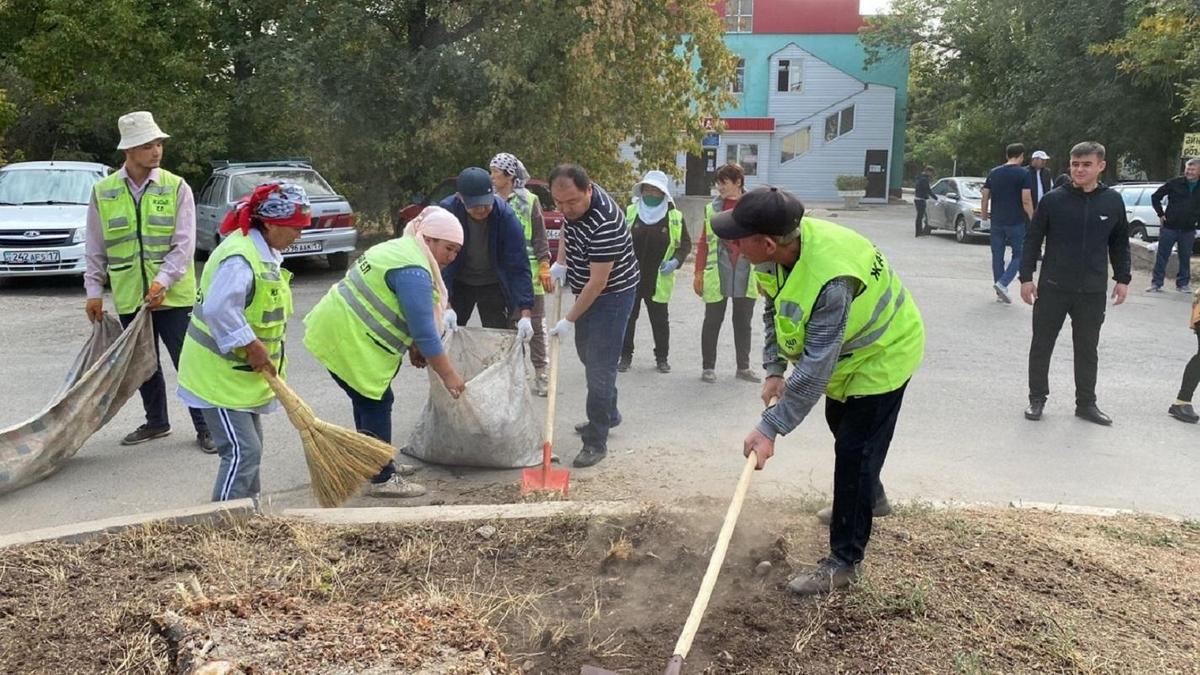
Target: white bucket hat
(656,179)
(138,128)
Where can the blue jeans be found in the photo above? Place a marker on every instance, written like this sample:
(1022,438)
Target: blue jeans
(1169,239)
(1012,236)
(374,418)
(599,336)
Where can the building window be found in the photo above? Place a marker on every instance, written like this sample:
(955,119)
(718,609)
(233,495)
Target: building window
(795,144)
(739,16)
(745,154)
(739,80)
(839,123)
(787,77)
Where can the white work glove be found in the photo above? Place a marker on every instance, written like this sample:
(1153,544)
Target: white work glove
(558,272)
(449,321)
(525,328)
(562,329)
(669,266)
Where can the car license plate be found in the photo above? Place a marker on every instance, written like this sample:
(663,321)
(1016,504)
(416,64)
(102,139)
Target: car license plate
(30,257)
(304,247)
(552,234)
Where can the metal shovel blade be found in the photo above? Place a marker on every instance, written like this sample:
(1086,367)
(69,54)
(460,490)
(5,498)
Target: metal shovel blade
(545,477)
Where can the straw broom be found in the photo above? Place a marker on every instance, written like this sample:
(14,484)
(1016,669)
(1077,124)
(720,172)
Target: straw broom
(339,460)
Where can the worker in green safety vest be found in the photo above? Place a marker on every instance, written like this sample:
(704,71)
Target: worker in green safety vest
(660,244)
(238,328)
(508,177)
(723,277)
(839,313)
(140,239)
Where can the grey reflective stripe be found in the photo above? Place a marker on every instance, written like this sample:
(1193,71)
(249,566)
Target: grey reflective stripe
(160,190)
(880,306)
(205,340)
(119,221)
(874,335)
(273,315)
(270,339)
(360,284)
(156,241)
(120,260)
(791,310)
(271,274)
(154,256)
(361,312)
(160,220)
(109,243)
(111,194)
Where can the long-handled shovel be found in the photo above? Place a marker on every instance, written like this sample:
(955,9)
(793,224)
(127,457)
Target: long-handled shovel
(547,477)
(684,644)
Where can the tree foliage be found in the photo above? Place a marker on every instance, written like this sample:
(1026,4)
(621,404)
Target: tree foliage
(387,96)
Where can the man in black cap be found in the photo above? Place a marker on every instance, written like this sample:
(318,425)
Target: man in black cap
(839,314)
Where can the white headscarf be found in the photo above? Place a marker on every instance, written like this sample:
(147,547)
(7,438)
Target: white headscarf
(436,223)
(653,214)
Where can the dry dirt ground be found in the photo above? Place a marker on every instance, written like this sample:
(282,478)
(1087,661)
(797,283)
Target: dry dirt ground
(944,591)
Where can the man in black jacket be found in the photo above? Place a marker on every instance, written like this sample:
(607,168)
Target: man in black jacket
(1178,225)
(1084,228)
(920,196)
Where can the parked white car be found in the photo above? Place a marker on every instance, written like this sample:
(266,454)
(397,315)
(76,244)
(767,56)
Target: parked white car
(43,215)
(1143,221)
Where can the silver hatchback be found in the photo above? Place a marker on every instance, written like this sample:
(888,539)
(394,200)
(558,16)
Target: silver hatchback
(956,207)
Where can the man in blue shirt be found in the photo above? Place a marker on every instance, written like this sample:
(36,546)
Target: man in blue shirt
(1002,193)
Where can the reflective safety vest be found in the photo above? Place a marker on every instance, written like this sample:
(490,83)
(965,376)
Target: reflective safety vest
(137,237)
(666,282)
(521,201)
(226,380)
(723,279)
(884,340)
(358,330)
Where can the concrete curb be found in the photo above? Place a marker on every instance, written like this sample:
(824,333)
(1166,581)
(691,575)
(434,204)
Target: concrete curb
(460,513)
(1072,509)
(238,509)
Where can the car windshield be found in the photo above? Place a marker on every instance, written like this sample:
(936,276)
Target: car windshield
(244,183)
(970,189)
(47,186)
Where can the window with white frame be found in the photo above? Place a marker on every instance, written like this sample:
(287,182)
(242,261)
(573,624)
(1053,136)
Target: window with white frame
(745,154)
(787,76)
(739,80)
(839,123)
(739,16)
(795,144)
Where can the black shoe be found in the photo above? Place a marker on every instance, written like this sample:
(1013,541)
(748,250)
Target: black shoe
(1184,413)
(589,456)
(624,363)
(1092,414)
(145,433)
(205,441)
(1034,411)
(664,367)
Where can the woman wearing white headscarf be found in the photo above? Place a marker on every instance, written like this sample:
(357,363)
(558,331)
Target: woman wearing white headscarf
(391,301)
(660,244)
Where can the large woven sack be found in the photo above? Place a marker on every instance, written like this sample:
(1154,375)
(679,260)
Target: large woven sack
(492,424)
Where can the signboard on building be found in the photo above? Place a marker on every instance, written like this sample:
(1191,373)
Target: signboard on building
(711,141)
(1191,145)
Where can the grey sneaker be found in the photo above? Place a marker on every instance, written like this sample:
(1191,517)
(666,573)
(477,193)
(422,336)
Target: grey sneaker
(709,376)
(748,375)
(624,363)
(664,367)
(541,385)
(829,575)
(1184,289)
(395,487)
(882,508)
(145,433)
(1154,289)
(1002,293)
(205,441)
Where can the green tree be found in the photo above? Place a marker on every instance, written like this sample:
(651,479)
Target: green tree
(1161,48)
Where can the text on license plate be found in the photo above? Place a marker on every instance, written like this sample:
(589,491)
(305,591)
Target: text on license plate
(304,247)
(30,257)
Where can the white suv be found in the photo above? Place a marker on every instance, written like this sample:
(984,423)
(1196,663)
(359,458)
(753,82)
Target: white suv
(43,215)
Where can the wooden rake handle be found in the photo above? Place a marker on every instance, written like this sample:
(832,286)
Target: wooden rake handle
(552,390)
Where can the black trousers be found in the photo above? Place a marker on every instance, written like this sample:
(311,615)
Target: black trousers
(170,327)
(659,325)
(1191,374)
(922,219)
(714,316)
(493,310)
(862,428)
(1087,315)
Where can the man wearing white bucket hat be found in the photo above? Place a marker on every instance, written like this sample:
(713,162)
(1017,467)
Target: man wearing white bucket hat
(141,235)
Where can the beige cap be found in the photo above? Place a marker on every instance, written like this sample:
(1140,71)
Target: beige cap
(138,128)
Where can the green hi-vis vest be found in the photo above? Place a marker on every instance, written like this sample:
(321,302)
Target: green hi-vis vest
(225,379)
(666,282)
(723,279)
(358,330)
(521,201)
(884,340)
(137,237)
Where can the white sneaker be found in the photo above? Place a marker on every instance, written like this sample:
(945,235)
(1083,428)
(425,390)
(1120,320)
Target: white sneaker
(1002,293)
(396,488)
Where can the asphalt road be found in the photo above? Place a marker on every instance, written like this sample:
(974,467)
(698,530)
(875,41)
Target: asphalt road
(961,435)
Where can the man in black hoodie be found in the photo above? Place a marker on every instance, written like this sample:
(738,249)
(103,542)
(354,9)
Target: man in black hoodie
(1084,228)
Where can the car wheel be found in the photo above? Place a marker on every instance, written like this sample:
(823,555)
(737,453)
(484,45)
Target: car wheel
(1137,231)
(960,230)
(338,261)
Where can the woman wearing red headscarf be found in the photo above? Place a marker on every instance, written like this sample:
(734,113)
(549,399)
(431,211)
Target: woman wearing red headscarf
(237,330)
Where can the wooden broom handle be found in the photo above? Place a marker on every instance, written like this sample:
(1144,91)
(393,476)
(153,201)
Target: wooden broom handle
(684,645)
(552,393)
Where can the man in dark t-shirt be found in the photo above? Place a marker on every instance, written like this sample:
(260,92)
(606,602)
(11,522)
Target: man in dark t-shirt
(920,198)
(1001,204)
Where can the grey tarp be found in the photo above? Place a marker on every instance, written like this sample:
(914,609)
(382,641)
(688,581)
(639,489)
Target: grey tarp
(492,424)
(107,371)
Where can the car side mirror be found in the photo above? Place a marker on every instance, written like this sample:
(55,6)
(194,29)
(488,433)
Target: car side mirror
(952,195)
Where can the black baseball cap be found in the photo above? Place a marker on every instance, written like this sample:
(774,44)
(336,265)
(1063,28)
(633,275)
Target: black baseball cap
(475,186)
(764,210)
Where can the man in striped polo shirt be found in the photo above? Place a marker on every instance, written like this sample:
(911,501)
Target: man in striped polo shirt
(596,261)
